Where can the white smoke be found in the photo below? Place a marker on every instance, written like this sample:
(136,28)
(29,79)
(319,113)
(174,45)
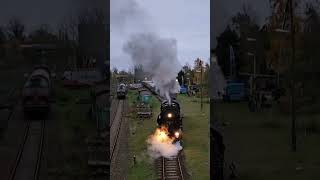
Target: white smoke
(128,15)
(165,148)
(218,82)
(158,57)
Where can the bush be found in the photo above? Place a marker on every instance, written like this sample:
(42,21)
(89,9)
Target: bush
(312,126)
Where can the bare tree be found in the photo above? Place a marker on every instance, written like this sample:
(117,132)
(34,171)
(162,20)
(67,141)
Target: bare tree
(16,29)
(3,36)
(42,34)
(91,16)
(68,29)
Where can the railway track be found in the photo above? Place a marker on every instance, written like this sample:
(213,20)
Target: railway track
(115,104)
(28,160)
(169,168)
(8,104)
(115,127)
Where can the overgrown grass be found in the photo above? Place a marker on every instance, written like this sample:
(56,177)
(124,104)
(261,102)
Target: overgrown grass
(259,143)
(74,126)
(139,132)
(196,136)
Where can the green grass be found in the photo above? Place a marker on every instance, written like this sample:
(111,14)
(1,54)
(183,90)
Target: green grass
(74,127)
(259,143)
(196,137)
(139,132)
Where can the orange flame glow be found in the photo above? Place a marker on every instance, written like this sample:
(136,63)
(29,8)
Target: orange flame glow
(161,134)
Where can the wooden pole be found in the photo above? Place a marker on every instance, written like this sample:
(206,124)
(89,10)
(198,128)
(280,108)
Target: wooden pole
(201,85)
(293,110)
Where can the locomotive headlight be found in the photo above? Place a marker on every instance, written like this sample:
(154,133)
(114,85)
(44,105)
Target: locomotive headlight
(177,134)
(169,115)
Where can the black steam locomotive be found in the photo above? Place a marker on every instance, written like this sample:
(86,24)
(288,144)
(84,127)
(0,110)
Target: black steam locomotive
(121,91)
(170,118)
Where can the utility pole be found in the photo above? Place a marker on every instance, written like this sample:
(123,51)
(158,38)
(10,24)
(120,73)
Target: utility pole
(292,69)
(201,88)
(253,78)
(293,109)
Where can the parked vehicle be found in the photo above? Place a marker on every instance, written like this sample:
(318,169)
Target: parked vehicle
(234,91)
(183,89)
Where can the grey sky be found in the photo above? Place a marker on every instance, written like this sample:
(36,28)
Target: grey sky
(36,12)
(186,21)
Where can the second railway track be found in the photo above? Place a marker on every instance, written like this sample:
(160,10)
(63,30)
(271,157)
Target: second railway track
(115,127)
(115,104)
(28,160)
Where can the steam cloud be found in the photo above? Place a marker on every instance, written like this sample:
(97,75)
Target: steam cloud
(158,56)
(218,82)
(159,147)
(127,15)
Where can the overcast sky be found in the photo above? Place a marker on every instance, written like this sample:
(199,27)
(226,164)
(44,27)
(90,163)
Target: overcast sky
(188,21)
(36,12)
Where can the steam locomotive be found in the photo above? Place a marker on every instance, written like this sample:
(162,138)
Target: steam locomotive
(170,118)
(121,91)
(37,90)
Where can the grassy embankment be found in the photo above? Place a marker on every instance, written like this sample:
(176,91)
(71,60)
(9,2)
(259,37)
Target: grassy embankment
(259,143)
(196,137)
(72,127)
(139,132)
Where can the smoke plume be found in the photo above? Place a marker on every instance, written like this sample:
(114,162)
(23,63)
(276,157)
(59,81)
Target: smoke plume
(127,16)
(160,144)
(158,57)
(217,81)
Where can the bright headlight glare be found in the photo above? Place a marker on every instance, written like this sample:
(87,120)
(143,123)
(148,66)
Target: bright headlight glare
(169,115)
(177,134)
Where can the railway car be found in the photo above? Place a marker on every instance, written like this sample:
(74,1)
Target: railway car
(121,91)
(144,108)
(150,86)
(37,90)
(170,118)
